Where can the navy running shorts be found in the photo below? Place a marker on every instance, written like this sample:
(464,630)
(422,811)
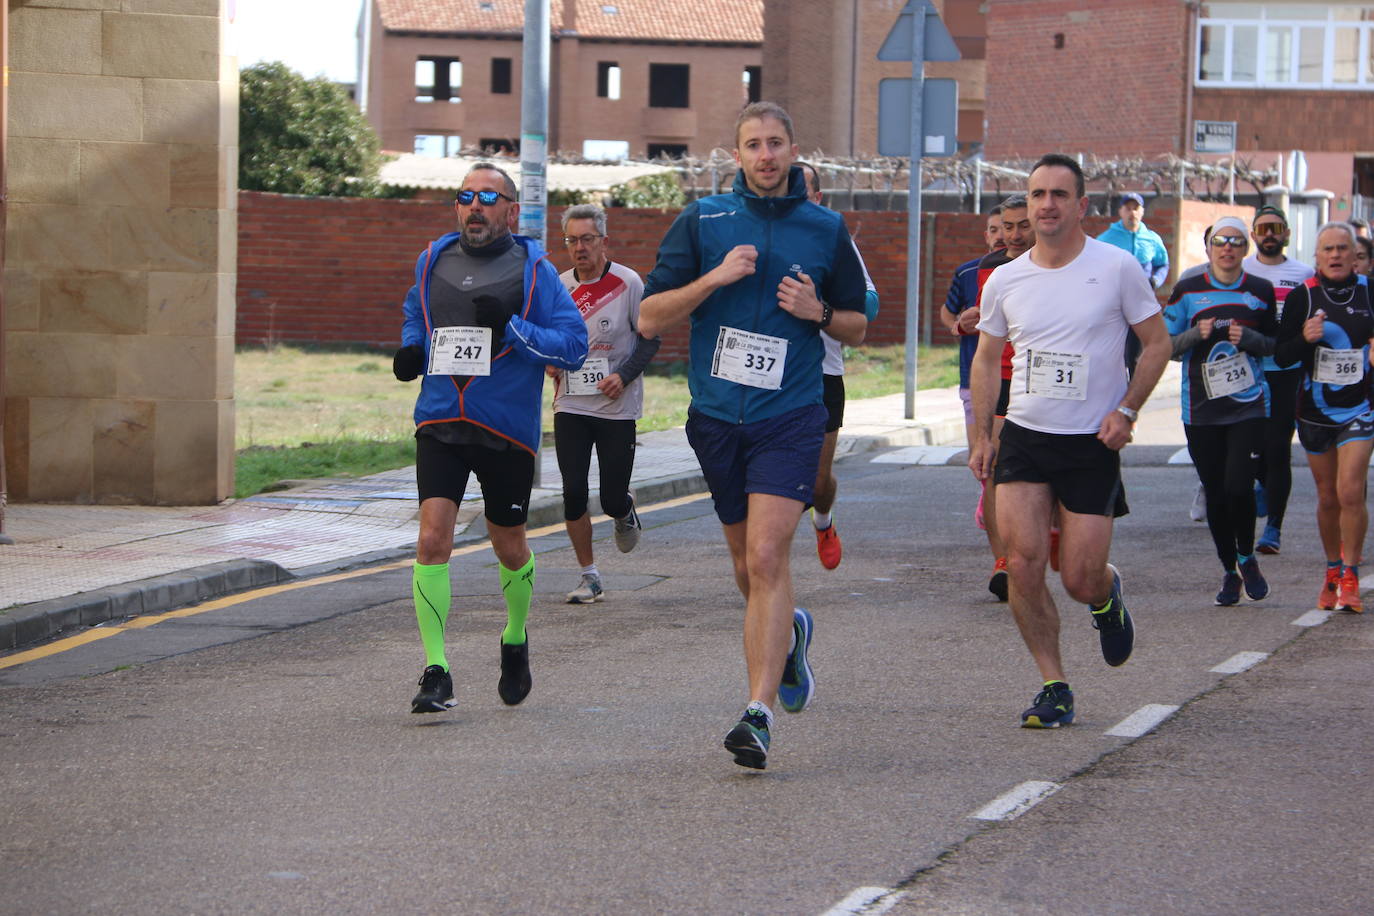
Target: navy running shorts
(779,456)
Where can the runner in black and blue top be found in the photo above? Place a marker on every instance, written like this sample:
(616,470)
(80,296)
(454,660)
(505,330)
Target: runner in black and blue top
(1222,322)
(1327,327)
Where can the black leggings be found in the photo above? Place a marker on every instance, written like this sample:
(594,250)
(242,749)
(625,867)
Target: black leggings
(1275,467)
(573,437)
(1223,458)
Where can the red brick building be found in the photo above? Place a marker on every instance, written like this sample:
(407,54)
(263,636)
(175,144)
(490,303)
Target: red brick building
(1130,78)
(628,77)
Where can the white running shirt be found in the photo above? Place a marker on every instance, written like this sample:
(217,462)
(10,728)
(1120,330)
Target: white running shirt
(610,307)
(833,362)
(1081,309)
(1285,277)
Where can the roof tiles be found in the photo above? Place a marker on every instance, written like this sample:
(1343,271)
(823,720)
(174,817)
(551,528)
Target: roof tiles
(733,21)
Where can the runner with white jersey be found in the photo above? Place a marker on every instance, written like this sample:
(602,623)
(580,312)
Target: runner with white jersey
(1065,306)
(598,404)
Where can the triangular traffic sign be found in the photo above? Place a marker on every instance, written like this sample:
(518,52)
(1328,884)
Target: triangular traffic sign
(939,44)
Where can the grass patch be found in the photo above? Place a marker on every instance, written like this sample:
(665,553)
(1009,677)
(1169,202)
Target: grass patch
(306,413)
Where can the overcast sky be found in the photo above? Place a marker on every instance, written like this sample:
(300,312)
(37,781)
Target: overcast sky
(312,36)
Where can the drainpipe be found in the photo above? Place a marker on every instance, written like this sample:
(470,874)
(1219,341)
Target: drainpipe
(1192,7)
(4,207)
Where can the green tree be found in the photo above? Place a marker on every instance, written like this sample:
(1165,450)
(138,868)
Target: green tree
(303,136)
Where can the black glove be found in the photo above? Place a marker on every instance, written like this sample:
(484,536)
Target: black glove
(488,312)
(408,362)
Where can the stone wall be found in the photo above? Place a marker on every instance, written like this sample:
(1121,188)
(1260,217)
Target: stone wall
(120,252)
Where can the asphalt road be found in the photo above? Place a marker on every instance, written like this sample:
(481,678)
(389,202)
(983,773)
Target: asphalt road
(260,757)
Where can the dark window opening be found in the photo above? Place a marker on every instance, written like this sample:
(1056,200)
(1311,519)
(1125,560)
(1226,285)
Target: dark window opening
(668,85)
(438,79)
(667,150)
(500,76)
(499,145)
(607,79)
(753,82)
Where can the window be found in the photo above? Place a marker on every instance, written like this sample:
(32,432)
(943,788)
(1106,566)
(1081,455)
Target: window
(1286,45)
(668,85)
(438,79)
(667,150)
(606,149)
(495,145)
(500,76)
(753,83)
(607,80)
(438,146)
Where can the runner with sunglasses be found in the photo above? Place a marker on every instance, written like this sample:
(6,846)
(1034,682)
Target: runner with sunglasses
(1222,322)
(1270,233)
(487,313)
(1328,329)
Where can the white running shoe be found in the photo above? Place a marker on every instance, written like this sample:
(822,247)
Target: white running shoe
(1198,511)
(589,591)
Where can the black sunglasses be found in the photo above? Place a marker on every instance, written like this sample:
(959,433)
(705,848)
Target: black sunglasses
(488,198)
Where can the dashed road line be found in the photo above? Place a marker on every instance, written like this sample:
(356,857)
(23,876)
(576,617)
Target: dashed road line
(1241,661)
(919,454)
(1017,801)
(1181,457)
(1142,720)
(1313,618)
(865,901)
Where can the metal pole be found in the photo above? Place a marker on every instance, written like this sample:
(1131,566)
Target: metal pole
(4,207)
(1231,182)
(534,119)
(913,207)
(534,137)
(978,186)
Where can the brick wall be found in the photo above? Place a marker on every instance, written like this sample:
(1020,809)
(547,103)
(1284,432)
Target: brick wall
(1115,87)
(1291,119)
(321,270)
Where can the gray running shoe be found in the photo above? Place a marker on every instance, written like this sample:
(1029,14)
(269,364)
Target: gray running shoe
(1198,510)
(627,530)
(588,592)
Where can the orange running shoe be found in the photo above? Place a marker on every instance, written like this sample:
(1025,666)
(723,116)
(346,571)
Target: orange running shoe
(1326,598)
(1349,597)
(828,546)
(1054,549)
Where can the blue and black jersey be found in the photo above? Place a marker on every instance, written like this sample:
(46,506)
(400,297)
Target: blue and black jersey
(1249,302)
(1348,325)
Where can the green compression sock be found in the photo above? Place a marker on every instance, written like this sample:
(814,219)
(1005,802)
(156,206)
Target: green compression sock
(430,585)
(517,586)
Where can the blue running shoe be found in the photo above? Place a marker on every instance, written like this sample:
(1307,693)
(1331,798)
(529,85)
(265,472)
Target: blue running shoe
(798,685)
(1269,541)
(749,740)
(1051,708)
(1256,587)
(1112,621)
(1261,502)
(1230,590)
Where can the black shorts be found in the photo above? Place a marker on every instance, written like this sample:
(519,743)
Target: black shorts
(1317,439)
(833,398)
(1003,399)
(1083,474)
(506,477)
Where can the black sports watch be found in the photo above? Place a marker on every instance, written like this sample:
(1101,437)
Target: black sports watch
(827,315)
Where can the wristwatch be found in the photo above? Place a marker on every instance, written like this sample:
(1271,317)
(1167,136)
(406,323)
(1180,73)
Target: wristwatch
(827,314)
(1128,412)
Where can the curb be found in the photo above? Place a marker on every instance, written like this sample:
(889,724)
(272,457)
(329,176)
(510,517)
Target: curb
(41,620)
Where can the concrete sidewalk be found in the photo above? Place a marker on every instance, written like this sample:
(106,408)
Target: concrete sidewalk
(74,566)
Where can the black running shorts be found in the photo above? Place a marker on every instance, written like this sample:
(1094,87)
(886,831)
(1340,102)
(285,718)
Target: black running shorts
(1083,474)
(505,476)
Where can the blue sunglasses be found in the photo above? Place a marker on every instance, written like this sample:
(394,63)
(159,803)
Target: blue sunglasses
(488,198)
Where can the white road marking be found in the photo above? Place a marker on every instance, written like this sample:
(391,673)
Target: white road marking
(919,454)
(1181,457)
(1241,661)
(1367,583)
(1016,802)
(865,901)
(1313,619)
(1142,720)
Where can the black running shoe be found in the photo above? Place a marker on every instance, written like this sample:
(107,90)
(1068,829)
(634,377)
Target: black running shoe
(1113,624)
(1229,593)
(515,681)
(1256,586)
(749,740)
(1051,708)
(436,691)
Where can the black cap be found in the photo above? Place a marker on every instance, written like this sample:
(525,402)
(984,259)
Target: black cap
(1270,210)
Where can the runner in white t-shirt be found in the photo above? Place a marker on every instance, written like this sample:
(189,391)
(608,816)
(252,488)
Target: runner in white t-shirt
(1065,306)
